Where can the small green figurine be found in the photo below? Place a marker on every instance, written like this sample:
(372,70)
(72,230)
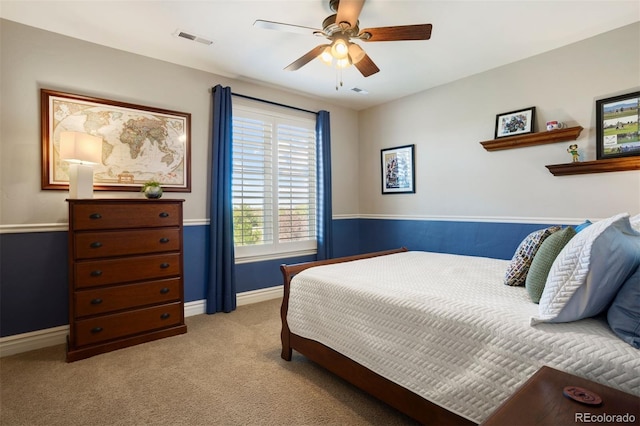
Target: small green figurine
(573,150)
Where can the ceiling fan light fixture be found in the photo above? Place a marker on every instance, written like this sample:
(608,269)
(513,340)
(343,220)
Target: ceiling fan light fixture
(326,57)
(343,63)
(339,49)
(355,53)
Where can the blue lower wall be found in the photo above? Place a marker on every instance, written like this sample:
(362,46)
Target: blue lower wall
(33,281)
(487,239)
(33,266)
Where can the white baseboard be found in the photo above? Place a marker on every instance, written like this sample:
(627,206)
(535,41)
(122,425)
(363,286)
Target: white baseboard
(261,295)
(25,342)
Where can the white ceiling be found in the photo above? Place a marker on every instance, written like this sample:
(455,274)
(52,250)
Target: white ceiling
(468,37)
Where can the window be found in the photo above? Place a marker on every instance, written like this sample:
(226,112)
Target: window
(274,183)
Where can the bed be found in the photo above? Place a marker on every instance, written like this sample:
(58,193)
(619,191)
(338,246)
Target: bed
(439,336)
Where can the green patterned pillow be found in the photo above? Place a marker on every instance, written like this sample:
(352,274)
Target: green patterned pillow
(542,261)
(522,258)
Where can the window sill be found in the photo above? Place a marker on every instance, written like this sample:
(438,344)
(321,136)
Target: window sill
(274,256)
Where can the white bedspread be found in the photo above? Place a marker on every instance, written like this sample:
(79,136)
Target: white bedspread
(447,328)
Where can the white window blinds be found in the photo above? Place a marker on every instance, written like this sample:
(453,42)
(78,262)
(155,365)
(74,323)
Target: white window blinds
(274,182)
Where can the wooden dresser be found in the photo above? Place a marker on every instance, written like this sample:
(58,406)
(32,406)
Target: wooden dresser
(125,273)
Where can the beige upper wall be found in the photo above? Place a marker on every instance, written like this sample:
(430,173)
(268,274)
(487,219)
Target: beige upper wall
(457,177)
(31,59)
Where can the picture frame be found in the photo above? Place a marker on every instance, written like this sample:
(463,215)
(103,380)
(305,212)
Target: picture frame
(617,133)
(398,170)
(140,143)
(514,123)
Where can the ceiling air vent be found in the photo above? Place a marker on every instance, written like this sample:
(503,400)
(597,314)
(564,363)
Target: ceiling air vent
(359,91)
(193,37)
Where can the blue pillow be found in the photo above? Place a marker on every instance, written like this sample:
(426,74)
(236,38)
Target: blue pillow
(583,225)
(589,271)
(624,313)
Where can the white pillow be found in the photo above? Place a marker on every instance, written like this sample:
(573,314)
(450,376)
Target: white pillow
(589,270)
(635,222)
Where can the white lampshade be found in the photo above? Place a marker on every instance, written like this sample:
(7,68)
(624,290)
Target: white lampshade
(82,151)
(76,147)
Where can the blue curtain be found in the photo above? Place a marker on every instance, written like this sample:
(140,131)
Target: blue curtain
(221,288)
(324,214)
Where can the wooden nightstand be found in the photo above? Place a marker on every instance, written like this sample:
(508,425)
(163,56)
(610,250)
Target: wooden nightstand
(540,401)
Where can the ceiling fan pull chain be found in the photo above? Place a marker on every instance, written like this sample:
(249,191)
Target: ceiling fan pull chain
(338,76)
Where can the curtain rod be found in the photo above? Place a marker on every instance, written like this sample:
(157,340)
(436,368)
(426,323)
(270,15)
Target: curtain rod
(273,103)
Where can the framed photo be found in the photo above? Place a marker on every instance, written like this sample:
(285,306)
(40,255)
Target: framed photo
(139,143)
(515,123)
(617,126)
(398,170)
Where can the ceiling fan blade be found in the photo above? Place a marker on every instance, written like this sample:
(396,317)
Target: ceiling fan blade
(366,66)
(306,58)
(398,33)
(278,26)
(349,11)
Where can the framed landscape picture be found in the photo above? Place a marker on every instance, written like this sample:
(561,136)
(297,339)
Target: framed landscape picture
(617,126)
(515,122)
(139,143)
(398,170)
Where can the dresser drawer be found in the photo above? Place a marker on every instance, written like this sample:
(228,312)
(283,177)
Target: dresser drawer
(108,327)
(92,273)
(90,245)
(109,299)
(98,215)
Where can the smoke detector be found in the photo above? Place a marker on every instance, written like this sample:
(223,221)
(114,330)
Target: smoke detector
(193,37)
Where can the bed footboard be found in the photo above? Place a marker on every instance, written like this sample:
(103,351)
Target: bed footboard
(289,271)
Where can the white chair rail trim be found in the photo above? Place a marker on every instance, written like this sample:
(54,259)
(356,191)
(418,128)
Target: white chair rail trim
(59,227)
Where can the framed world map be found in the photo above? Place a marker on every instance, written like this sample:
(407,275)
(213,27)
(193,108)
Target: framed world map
(139,143)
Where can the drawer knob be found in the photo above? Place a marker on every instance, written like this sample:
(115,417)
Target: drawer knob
(96,301)
(164,214)
(164,240)
(164,265)
(96,330)
(96,244)
(96,273)
(164,290)
(95,216)
(165,316)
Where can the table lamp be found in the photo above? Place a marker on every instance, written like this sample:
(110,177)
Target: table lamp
(81,151)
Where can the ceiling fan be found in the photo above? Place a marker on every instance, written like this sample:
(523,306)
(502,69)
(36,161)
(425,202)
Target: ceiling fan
(340,28)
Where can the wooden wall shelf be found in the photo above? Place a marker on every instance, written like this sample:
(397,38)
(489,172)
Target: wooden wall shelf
(599,166)
(531,139)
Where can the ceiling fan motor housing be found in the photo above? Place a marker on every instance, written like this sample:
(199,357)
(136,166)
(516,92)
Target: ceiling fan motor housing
(330,27)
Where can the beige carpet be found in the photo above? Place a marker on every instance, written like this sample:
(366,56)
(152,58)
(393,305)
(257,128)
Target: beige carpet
(226,370)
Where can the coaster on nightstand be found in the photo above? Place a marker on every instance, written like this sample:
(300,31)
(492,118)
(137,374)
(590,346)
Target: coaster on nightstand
(582,395)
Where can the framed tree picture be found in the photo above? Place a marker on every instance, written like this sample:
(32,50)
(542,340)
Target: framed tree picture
(617,126)
(398,170)
(139,143)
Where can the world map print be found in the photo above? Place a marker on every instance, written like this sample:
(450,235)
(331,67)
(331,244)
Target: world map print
(137,145)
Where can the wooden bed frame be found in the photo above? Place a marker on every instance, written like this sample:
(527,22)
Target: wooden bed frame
(387,391)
